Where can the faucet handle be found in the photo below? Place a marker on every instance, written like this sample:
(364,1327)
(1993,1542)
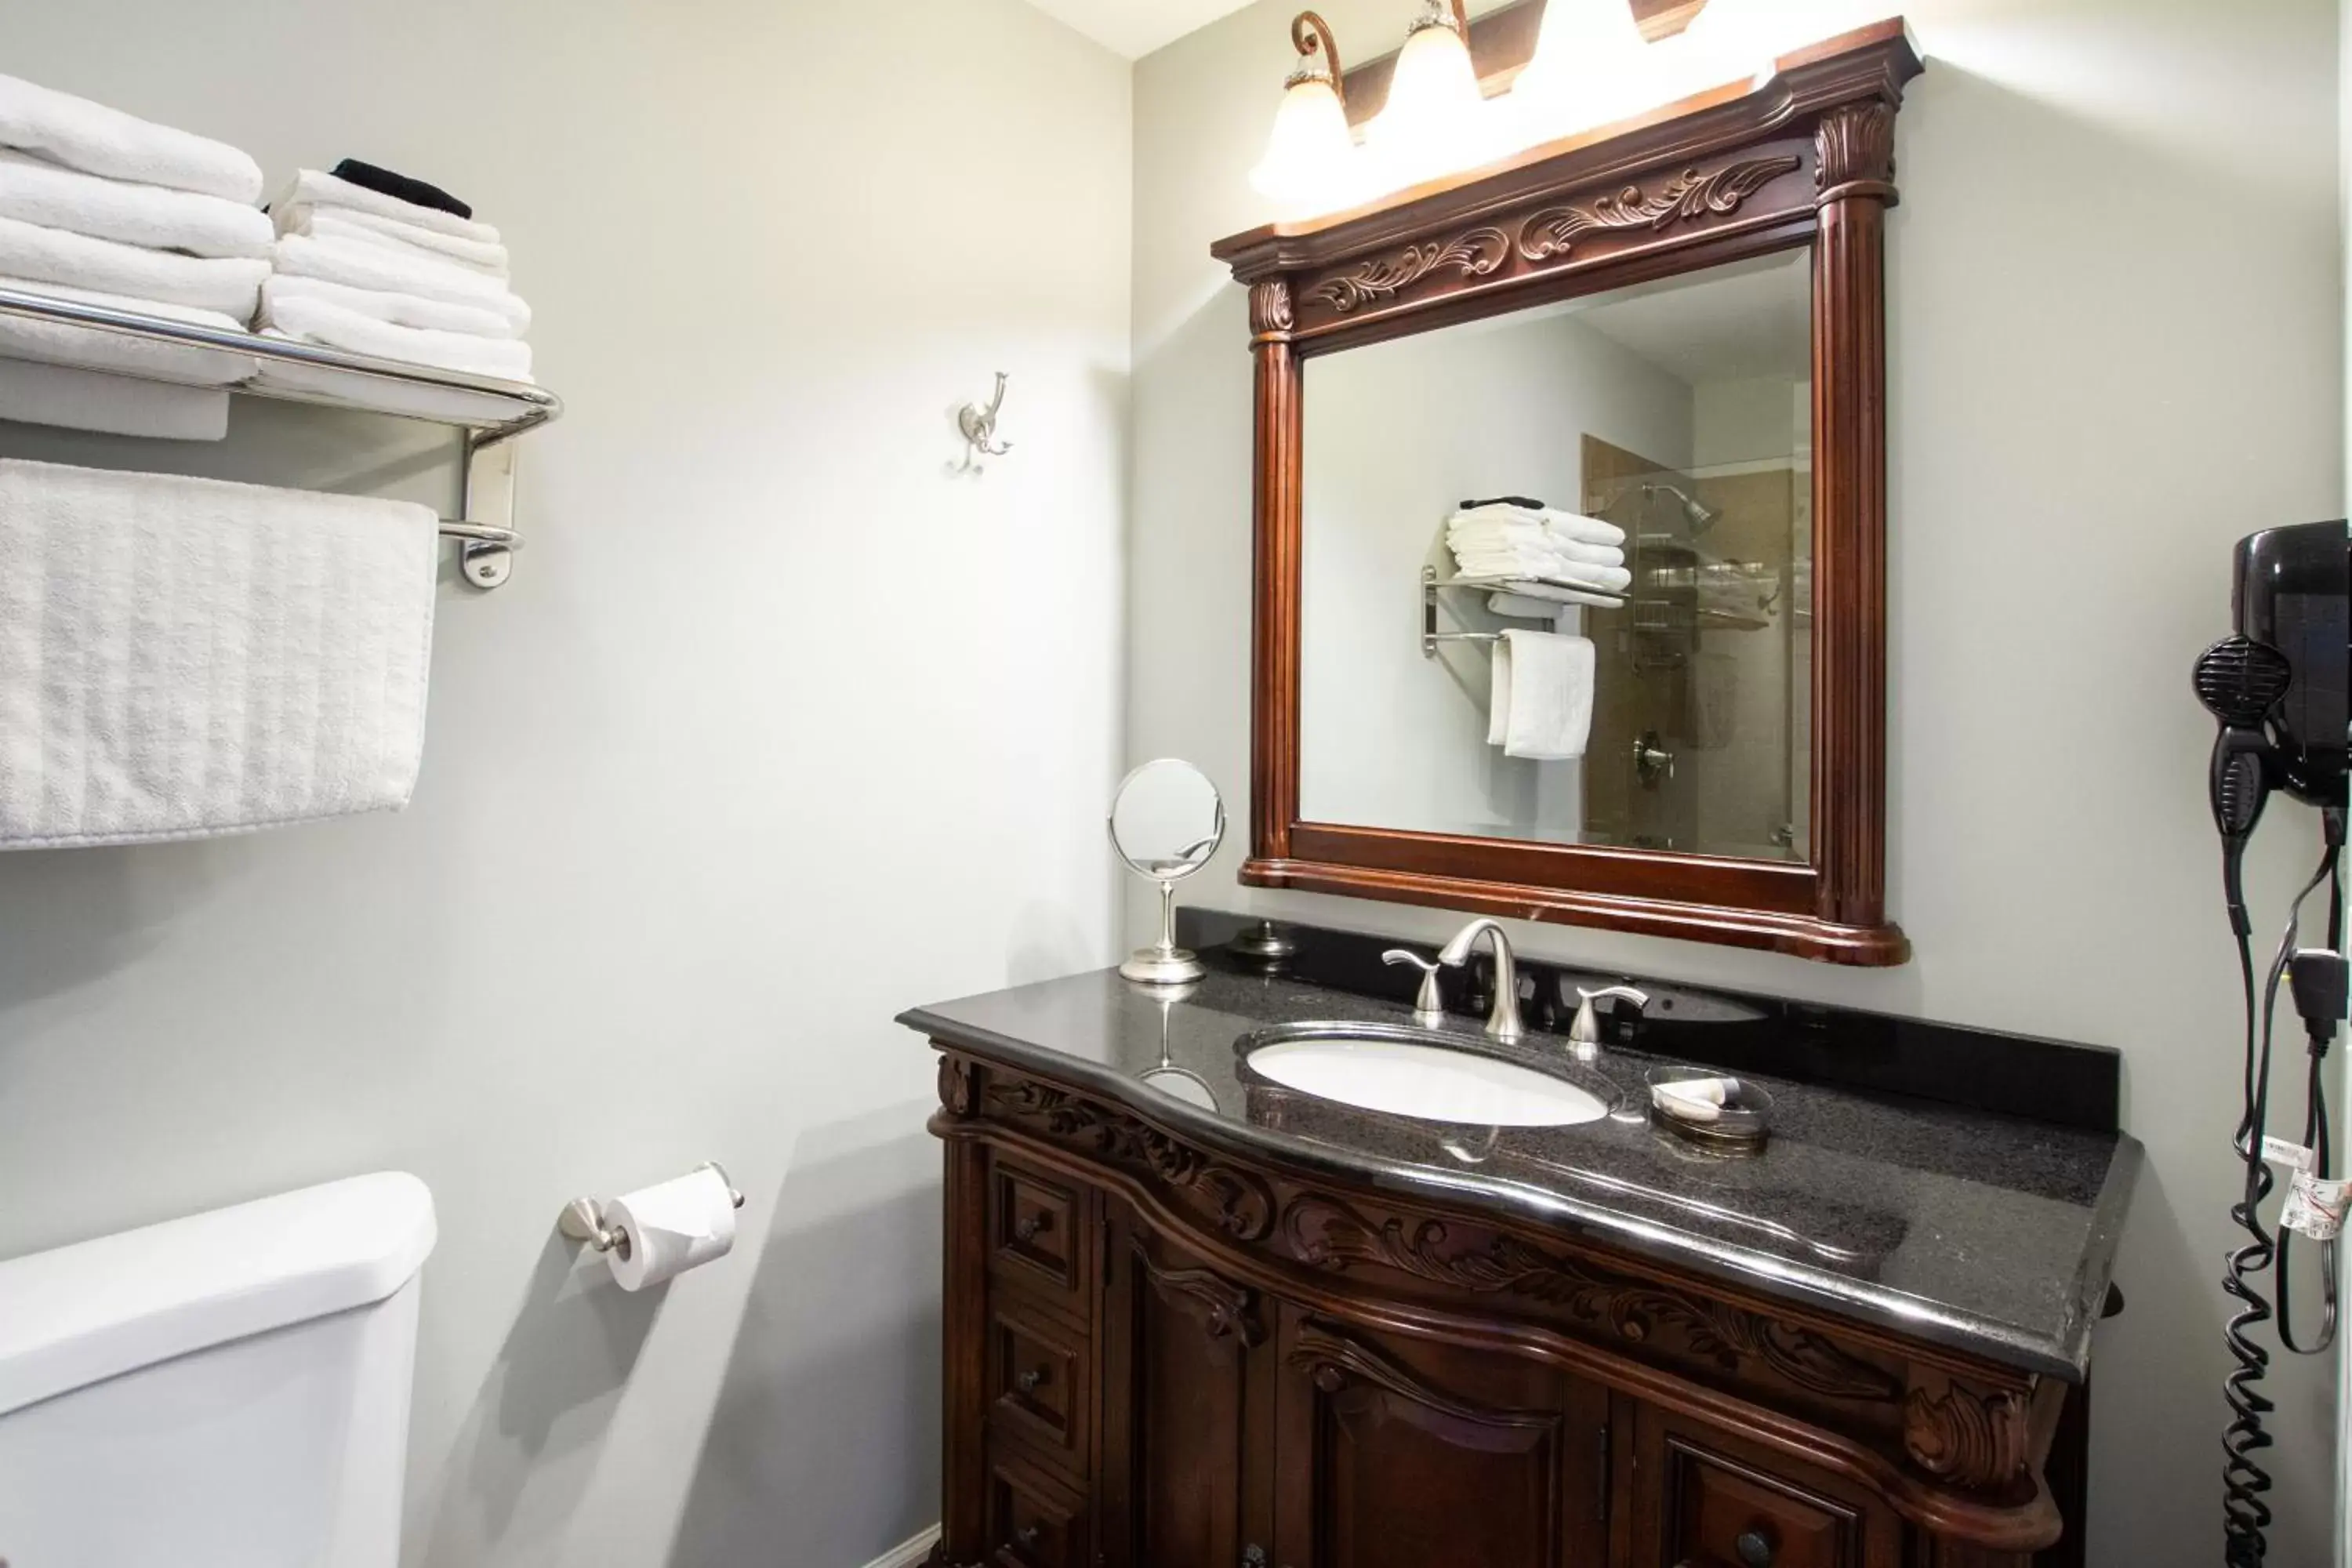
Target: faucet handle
(1584,1034)
(1429,1006)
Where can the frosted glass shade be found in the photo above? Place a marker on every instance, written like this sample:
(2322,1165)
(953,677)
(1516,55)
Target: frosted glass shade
(1435,121)
(1309,162)
(1590,67)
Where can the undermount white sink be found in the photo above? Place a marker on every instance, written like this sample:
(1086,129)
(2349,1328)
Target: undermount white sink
(1406,1073)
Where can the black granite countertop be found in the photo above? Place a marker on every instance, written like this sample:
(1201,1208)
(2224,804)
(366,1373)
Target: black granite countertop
(1987,1233)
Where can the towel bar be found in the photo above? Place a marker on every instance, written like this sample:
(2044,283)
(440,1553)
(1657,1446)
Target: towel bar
(1431,587)
(486,535)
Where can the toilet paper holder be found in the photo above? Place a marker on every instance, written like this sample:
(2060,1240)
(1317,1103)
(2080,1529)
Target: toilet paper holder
(584,1219)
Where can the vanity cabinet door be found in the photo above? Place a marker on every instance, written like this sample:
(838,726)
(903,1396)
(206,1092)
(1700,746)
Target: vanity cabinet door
(1401,1453)
(1704,1499)
(1181,1346)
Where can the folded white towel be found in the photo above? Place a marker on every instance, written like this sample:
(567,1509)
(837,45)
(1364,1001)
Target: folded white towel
(310,187)
(181,657)
(101,141)
(1545,567)
(1582,529)
(58,343)
(400,310)
(374,267)
(349,223)
(1493,536)
(1540,708)
(1524,592)
(34,190)
(111,404)
(1568,524)
(231,285)
(1524,607)
(448,403)
(318,321)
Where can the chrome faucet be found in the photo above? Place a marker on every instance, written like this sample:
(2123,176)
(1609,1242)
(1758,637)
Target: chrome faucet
(1502,1020)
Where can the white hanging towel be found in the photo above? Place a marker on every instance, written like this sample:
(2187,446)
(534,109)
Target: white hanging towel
(180,658)
(101,141)
(1541,703)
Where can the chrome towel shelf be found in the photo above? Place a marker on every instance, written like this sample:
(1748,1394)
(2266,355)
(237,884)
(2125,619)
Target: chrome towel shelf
(1431,587)
(493,412)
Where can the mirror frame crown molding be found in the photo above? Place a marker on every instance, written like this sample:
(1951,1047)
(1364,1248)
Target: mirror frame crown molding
(1804,156)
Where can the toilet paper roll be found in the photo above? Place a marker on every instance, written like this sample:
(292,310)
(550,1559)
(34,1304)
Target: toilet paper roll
(672,1227)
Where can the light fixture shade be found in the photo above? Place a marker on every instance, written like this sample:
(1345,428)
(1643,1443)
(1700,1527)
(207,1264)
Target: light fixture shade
(1590,67)
(1309,162)
(1435,121)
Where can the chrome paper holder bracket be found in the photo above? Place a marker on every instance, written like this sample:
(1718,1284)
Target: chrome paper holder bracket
(584,1219)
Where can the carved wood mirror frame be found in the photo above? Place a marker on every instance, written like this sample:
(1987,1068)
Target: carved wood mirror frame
(1802,158)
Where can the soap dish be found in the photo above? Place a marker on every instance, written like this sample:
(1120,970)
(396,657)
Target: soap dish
(1740,1124)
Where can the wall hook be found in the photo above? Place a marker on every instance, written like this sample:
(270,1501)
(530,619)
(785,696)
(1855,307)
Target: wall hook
(978,427)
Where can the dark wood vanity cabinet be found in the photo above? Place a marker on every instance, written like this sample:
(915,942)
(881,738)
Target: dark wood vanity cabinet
(1162,1357)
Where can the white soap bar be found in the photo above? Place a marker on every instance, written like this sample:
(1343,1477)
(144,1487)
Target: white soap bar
(1669,1098)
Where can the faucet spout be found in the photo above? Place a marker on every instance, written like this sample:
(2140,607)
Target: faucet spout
(1503,1019)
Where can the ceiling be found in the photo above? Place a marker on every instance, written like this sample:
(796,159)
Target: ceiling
(1136,28)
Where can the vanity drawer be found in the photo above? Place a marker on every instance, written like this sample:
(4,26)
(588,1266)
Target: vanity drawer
(1032,1520)
(1036,1379)
(1036,1237)
(1725,1513)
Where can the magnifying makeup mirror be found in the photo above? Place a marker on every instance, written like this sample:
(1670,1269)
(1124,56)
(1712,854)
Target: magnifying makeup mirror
(1165,822)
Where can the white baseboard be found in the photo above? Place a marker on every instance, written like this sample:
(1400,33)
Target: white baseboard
(908,1554)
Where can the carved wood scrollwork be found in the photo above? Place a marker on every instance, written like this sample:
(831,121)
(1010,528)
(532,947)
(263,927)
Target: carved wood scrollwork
(1241,1204)
(1333,1361)
(1472,255)
(1689,196)
(1225,1310)
(1971,1438)
(1855,154)
(1270,309)
(956,1085)
(1328,1234)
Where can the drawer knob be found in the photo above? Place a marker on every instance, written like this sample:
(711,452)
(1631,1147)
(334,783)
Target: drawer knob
(1030,1381)
(1031,1227)
(1755,1549)
(1253,1557)
(1027,1536)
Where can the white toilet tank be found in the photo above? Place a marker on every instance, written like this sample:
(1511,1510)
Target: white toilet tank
(225,1391)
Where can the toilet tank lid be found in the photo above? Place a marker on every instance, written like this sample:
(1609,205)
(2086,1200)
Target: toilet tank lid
(100,1308)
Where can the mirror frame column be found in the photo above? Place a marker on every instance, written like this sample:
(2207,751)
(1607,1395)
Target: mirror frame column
(1279,473)
(1853,171)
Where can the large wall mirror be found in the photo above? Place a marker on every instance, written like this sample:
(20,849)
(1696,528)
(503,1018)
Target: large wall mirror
(1571,526)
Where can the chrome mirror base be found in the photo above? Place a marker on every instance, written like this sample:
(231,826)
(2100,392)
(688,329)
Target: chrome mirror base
(1163,966)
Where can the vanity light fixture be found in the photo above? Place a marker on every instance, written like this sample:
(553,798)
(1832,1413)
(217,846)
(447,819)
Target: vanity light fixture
(1310,160)
(1591,66)
(1435,121)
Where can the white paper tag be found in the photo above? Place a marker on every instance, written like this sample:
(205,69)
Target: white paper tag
(2292,1156)
(2315,1207)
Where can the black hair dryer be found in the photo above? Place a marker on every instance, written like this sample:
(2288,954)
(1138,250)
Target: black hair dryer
(2278,689)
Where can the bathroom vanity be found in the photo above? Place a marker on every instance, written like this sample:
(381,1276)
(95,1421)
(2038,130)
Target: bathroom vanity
(1196,1318)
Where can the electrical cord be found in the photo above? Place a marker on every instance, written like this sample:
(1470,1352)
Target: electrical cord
(2245,1515)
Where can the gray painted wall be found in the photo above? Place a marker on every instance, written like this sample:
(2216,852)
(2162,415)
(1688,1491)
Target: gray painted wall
(778,729)
(2115,346)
